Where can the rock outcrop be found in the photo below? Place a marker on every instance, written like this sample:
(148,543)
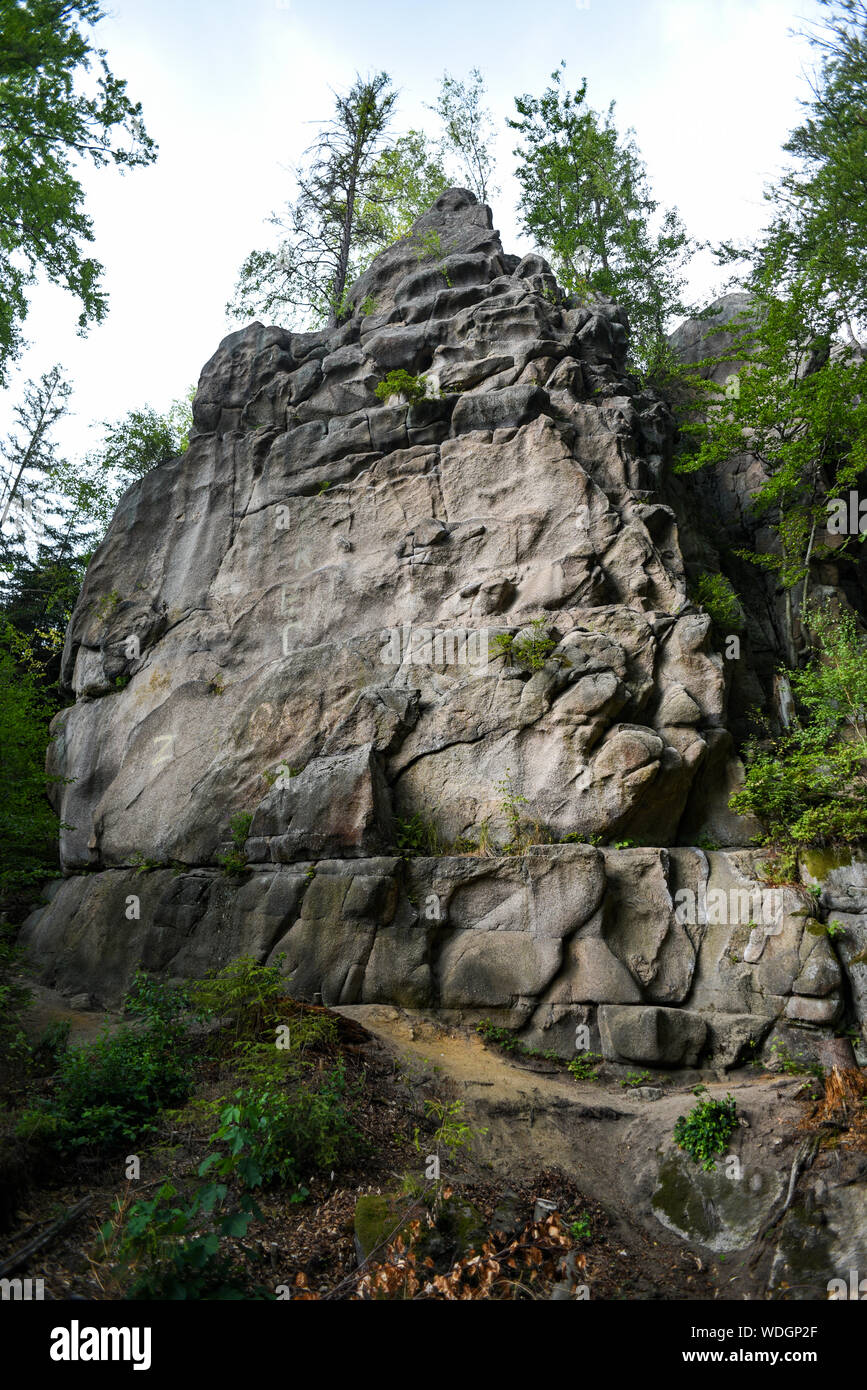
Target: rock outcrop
(363,624)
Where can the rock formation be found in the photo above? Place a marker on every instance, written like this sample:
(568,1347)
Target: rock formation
(365,622)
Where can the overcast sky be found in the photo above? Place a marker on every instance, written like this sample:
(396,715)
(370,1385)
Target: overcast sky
(232,92)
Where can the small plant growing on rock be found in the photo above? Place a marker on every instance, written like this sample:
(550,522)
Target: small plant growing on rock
(531,651)
(715,595)
(636,1079)
(402,384)
(705,1131)
(792,1065)
(511,809)
(107,604)
(146,866)
(431,249)
(234,861)
(417,836)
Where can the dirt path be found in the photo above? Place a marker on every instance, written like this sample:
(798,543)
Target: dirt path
(608,1138)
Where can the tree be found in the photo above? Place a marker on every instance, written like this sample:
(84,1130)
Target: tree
(47,126)
(143,438)
(336,211)
(30,454)
(809,784)
(801,410)
(74,500)
(586,200)
(28,826)
(468,129)
(405,181)
(818,230)
(800,403)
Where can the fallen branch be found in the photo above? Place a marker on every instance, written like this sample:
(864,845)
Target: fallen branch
(48,1236)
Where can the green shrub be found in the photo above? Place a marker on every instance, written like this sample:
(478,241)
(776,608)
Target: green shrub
(400,383)
(705,1131)
(417,836)
(28,826)
(792,1065)
(245,996)
(233,862)
(585,1067)
(154,1000)
(531,651)
(106,1095)
(170,1252)
(498,1037)
(808,786)
(51,1046)
(272,1135)
(716,595)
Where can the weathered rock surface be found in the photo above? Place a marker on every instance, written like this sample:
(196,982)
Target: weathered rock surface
(299,619)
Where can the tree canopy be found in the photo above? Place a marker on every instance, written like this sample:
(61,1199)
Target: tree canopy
(60,106)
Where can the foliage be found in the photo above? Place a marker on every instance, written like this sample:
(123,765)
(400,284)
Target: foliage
(791,1064)
(405,181)
(706,1130)
(452,1131)
(715,594)
(508,1041)
(585,1067)
(503,1038)
(467,131)
(809,785)
(337,212)
(586,200)
(799,409)
(272,1135)
(168,1251)
(531,651)
(28,825)
(142,438)
(635,1079)
(246,997)
(581,1229)
(156,1001)
(15,999)
(29,452)
(233,862)
(417,835)
(53,120)
(106,1095)
(818,228)
(511,809)
(401,383)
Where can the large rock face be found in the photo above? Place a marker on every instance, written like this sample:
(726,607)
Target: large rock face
(343,615)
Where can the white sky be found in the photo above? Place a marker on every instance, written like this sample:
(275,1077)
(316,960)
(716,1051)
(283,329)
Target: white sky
(232,91)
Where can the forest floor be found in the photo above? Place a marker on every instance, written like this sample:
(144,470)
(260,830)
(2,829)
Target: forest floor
(531,1132)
